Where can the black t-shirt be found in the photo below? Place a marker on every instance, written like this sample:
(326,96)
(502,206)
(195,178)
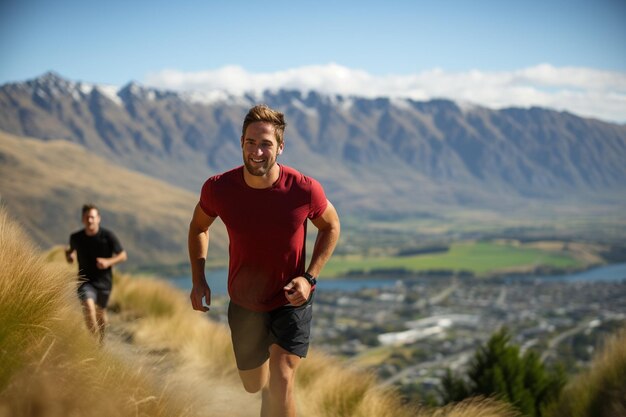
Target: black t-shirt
(103,244)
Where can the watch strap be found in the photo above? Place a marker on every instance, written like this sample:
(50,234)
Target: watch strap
(312,280)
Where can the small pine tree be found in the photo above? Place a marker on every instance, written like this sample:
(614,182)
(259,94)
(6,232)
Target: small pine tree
(453,389)
(498,369)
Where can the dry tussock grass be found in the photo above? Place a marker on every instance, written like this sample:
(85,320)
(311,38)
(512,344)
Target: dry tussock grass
(325,387)
(163,319)
(33,297)
(49,363)
(601,390)
(475,407)
(329,389)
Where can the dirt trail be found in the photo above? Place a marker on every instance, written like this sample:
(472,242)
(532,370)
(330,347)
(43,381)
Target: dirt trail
(201,393)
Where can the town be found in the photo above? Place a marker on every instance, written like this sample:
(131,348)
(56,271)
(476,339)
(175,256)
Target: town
(410,332)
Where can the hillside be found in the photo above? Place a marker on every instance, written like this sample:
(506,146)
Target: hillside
(599,391)
(161,358)
(425,157)
(44,184)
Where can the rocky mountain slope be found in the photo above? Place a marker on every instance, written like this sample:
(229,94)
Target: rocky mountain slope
(420,156)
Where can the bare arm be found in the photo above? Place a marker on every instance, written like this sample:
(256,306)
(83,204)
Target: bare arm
(328,229)
(327,236)
(198,244)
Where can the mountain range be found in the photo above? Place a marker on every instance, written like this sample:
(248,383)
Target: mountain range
(377,158)
(363,150)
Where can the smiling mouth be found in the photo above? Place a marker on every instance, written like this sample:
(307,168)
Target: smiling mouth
(257,161)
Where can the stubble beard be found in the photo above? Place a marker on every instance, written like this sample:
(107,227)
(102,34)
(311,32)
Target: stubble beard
(259,171)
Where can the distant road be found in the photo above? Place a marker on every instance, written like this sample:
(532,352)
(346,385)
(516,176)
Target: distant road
(442,295)
(501,300)
(453,362)
(555,341)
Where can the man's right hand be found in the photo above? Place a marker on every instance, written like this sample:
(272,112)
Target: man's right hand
(198,293)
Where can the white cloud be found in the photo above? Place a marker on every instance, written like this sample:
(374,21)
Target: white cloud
(584,91)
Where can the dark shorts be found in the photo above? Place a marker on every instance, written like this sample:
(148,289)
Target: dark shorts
(253,333)
(87,290)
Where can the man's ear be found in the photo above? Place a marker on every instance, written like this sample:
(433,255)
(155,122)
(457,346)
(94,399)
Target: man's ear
(242,142)
(281,147)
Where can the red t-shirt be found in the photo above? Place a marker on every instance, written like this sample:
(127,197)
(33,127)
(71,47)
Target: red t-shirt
(267,231)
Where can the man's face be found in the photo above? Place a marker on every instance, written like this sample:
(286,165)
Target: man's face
(91,220)
(260,148)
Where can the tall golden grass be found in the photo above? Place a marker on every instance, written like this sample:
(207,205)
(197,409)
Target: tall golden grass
(601,390)
(51,366)
(49,363)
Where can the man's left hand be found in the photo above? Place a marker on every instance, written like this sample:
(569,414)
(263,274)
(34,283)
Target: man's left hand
(103,263)
(298,291)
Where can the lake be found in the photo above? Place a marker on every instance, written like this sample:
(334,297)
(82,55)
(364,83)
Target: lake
(217,279)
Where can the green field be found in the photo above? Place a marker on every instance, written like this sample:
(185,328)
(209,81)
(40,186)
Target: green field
(481,258)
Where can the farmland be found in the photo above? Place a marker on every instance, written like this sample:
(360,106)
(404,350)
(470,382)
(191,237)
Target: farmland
(480,258)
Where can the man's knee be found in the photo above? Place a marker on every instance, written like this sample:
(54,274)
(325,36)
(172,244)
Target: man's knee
(89,306)
(252,386)
(283,367)
(255,379)
(101,314)
(281,383)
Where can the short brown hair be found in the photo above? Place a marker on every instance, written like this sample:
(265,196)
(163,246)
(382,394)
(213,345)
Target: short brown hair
(87,207)
(263,113)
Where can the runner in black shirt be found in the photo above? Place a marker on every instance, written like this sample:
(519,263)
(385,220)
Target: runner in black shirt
(97,249)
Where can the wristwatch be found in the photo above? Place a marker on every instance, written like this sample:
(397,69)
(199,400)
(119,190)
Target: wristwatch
(312,280)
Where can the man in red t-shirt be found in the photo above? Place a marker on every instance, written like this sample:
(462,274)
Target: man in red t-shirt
(265,207)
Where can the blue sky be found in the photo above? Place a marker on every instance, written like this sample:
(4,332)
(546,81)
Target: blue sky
(417,47)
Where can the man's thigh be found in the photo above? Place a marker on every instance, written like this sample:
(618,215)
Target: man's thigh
(253,333)
(250,335)
(87,291)
(291,328)
(282,363)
